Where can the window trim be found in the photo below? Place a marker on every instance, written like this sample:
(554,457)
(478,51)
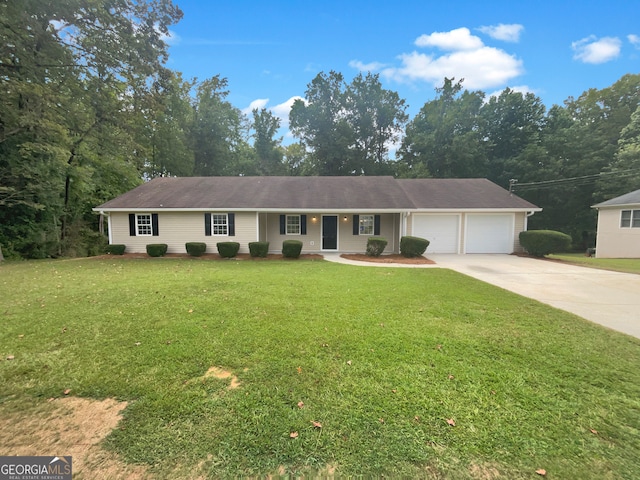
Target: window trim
(225,225)
(633,220)
(149,225)
(361,225)
(287,225)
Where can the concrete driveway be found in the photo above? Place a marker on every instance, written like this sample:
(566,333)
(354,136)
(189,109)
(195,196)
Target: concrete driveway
(609,298)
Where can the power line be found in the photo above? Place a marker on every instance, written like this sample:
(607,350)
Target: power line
(571,181)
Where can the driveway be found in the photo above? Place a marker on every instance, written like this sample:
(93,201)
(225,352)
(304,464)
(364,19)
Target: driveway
(610,299)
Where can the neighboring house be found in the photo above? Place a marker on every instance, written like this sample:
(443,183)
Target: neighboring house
(328,214)
(618,234)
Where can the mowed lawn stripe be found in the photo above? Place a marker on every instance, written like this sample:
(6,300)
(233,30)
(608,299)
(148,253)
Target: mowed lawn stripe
(382,359)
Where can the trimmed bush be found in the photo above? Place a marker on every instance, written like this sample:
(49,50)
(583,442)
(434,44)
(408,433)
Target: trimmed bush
(291,248)
(228,249)
(115,249)
(413,246)
(259,249)
(195,249)
(375,246)
(157,249)
(543,242)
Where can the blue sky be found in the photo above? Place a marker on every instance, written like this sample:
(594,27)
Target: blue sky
(270,50)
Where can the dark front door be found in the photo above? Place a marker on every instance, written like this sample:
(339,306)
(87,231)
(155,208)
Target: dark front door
(330,232)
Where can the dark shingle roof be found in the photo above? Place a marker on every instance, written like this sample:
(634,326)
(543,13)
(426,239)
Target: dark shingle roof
(310,193)
(631,198)
(460,193)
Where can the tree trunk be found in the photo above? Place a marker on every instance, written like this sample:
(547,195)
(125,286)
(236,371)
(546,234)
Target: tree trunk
(1,257)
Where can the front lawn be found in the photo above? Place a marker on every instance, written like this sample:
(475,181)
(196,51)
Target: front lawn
(627,265)
(419,373)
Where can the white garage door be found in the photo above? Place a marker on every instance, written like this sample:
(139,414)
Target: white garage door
(489,233)
(440,230)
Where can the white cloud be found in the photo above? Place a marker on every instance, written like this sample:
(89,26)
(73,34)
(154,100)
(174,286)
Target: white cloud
(281,111)
(595,51)
(523,89)
(366,67)
(170,38)
(258,104)
(506,33)
(634,40)
(465,57)
(482,68)
(458,39)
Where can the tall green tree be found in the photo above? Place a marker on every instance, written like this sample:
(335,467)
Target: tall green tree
(446,138)
(218,141)
(267,147)
(348,129)
(67,71)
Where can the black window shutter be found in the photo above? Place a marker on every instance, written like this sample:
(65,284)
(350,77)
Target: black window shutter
(232,224)
(132,224)
(356,224)
(207,224)
(154,225)
(283,224)
(376,225)
(303,224)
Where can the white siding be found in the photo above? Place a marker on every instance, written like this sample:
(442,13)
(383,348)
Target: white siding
(613,241)
(177,228)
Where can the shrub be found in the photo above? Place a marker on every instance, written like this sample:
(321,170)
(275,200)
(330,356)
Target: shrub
(195,249)
(259,249)
(228,249)
(543,242)
(413,246)
(115,249)
(375,246)
(156,249)
(291,248)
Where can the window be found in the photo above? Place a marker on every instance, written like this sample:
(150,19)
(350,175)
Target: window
(143,225)
(630,219)
(366,225)
(293,224)
(219,224)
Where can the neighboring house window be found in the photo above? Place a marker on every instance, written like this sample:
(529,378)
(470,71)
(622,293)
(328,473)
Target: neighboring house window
(221,224)
(366,225)
(630,219)
(293,224)
(143,224)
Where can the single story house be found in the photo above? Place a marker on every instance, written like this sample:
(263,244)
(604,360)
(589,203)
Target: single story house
(328,214)
(618,233)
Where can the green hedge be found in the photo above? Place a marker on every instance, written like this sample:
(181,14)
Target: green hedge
(291,248)
(259,249)
(413,246)
(375,246)
(156,249)
(115,249)
(543,242)
(228,249)
(195,249)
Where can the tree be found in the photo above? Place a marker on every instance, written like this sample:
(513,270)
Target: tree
(268,150)
(445,139)
(217,131)
(67,72)
(348,128)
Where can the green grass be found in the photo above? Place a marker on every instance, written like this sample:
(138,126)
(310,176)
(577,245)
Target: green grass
(627,265)
(381,357)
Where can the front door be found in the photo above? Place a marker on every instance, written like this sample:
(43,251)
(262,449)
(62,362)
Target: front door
(329,232)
